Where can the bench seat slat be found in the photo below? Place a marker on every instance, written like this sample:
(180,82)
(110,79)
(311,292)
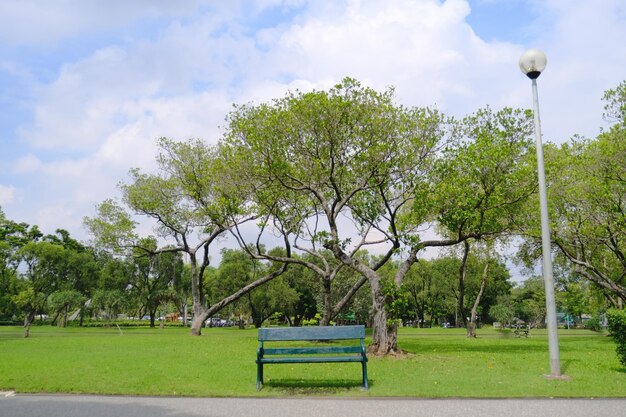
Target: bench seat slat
(311,359)
(311,350)
(311,333)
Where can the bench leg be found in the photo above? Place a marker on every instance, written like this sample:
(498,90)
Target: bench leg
(364,369)
(259,376)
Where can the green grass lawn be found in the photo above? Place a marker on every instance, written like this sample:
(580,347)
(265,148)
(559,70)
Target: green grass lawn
(439,363)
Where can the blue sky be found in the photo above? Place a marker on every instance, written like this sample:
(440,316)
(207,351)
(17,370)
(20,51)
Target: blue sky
(87,86)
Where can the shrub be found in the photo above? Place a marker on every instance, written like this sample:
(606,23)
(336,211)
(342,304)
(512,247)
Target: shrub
(617,327)
(593,324)
(315,321)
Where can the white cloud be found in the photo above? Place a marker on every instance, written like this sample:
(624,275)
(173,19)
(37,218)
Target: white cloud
(101,114)
(7,194)
(27,164)
(101,94)
(27,22)
(424,48)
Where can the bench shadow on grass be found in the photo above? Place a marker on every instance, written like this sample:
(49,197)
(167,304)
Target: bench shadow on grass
(316,386)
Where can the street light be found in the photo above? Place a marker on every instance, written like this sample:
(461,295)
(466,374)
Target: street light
(532,63)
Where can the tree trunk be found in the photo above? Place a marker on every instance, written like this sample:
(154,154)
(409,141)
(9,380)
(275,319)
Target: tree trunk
(258,321)
(200,314)
(346,298)
(419,309)
(385,335)
(257,316)
(379,331)
(462,274)
(327,313)
(30,316)
(471,326)
(54,320)
(63,319)
(196,296)
(196,324)
(383,342)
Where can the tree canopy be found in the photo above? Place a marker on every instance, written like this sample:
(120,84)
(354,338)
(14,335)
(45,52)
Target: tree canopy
(354,186)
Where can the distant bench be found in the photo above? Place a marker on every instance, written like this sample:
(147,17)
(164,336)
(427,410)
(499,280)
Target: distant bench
(311,354)
(521,331)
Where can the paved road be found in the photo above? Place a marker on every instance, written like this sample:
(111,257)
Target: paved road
(102,406)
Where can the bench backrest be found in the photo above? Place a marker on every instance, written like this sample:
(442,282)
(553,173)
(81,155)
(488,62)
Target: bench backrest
(311,333)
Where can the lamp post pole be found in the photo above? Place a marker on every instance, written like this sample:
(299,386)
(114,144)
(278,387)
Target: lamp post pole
(532,63)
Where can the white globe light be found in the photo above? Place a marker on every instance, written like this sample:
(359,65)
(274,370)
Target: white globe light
(532,63)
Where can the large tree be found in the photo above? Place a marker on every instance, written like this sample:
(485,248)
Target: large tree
(350,159)
(190,207)
(152,278)
(292,215)
(483,184)
(588,203)
(29,268)
(80,273)
(44,264)
(11,239)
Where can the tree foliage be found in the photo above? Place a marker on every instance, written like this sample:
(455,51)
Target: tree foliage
(589,208)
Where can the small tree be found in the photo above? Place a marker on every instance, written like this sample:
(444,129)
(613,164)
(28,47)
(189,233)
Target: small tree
(617,326)
(61,303)
(502,313)
(108,303)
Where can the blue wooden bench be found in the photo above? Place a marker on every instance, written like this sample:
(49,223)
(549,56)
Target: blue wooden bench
(311,354)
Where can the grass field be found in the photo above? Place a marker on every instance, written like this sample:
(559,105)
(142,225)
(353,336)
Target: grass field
(439,363)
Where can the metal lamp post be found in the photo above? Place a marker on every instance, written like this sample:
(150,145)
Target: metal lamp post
(532,63)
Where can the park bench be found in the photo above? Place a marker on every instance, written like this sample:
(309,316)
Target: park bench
(309,353)
(521,331)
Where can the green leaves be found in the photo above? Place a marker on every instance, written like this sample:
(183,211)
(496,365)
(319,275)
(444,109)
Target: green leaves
(617,327)
(588,185)
(481,183)
(349,151)
(112,227)
(615,107)
(396,299)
